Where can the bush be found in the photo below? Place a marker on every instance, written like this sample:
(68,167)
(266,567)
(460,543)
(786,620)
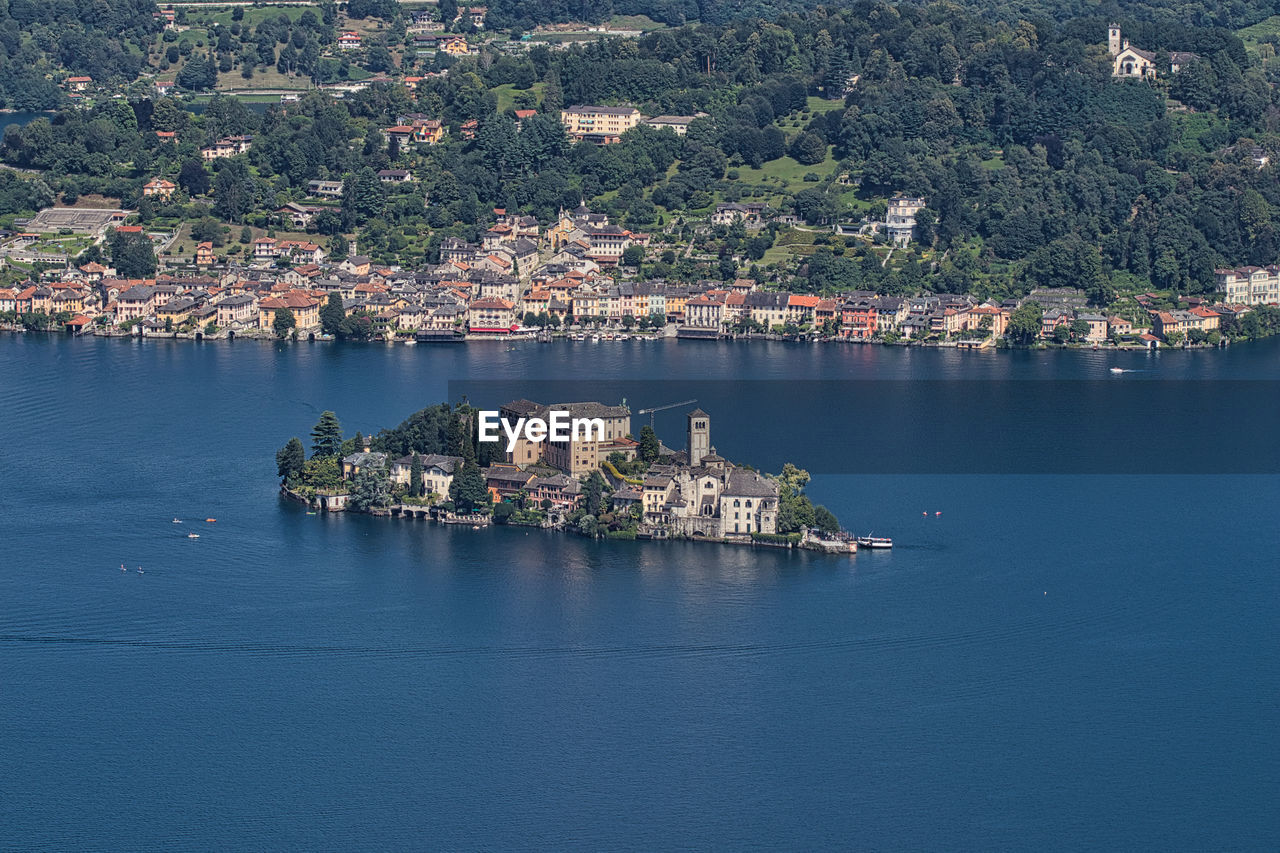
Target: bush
(776,538)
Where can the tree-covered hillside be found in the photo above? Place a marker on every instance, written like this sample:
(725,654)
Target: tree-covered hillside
(1037,165)
(106,39)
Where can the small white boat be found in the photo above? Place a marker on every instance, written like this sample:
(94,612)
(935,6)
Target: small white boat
(140,571)
(874,542)
(1117,370)
(193,535)
(177,521)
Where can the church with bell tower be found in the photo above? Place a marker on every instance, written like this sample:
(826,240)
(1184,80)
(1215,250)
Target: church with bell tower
(699,436)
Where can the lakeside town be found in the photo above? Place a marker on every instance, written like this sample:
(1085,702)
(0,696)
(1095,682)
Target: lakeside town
(601,483)
(523,279)
(373,171)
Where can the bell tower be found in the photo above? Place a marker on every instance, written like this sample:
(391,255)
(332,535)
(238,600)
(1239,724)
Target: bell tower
(699,436)
(1114,45)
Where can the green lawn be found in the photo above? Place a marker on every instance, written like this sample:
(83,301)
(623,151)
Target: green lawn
(506,94)
(1192,127)
(635,22)
(1254,36)
(269,78)
(818,105)
(785,176)
(1260,31)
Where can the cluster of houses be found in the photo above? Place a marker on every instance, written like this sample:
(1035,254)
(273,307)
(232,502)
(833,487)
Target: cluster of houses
(520,274)
(692,493)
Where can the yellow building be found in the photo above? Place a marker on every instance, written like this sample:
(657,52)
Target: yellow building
(601,124)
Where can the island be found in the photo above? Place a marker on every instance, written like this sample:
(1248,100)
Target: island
(603,483)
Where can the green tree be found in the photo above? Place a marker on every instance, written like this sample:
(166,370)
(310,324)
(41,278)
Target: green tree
(322,473)
(326,437)
(363,198)
(593,492)
(233,190)
(468,491)
(415,476)
(332,315)
(795,510)
(808,149)
(370,489)
(132,255)
(650,447)
(192,177)
(290,460)
(1024,323)
(284,322)
(825,520)
(633,256)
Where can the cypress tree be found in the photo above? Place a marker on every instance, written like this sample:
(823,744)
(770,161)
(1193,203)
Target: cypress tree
(415,476)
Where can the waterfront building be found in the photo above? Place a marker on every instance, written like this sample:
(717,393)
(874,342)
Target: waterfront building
(710,497)
(437,472)
(1250,285)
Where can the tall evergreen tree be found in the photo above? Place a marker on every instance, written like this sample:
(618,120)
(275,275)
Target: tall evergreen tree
(290,459)
(468,491)
(326,437)
(415,476)
(650,447)
(332,315)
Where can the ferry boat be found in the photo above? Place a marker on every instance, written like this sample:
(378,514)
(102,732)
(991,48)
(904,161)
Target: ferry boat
(874,542)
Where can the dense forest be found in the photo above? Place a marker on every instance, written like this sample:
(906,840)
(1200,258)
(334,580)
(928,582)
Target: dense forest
(1039,167)
(94,37)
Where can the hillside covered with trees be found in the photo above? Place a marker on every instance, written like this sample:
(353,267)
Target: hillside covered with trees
(1039,167)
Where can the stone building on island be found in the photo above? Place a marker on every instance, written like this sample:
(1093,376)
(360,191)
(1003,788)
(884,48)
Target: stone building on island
(709,497)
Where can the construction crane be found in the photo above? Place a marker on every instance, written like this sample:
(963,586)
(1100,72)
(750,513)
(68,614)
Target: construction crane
(650,412)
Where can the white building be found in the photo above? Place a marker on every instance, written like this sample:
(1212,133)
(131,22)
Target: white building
(1250,285)
(900,220)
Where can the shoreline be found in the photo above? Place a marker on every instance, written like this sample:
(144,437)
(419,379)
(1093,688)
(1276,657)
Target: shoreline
(794,542)
(621,336)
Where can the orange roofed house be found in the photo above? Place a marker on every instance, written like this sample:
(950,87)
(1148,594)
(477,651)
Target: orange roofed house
(159,188)
(495,316)
(306,310)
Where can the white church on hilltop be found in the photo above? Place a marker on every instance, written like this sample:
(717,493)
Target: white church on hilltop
(1129,62)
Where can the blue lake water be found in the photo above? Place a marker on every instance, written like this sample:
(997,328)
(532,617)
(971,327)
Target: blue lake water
(20,118)
(1055,662)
